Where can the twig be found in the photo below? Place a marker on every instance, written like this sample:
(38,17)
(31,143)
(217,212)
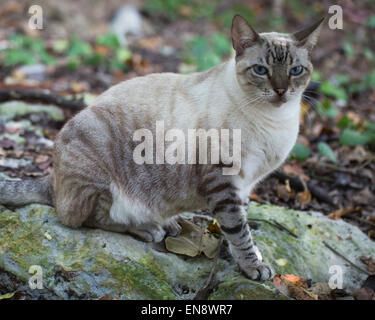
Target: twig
(361,220)
(285,228)
(203,293)
(298,186)
(276,225)
(41,96)
(346,259)
(353,172)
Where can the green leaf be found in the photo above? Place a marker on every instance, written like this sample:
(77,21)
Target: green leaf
(316,76)
(18,56)
(73,62)
(60,46)
(348,49)
(79,48)
(205,52)
(331,90)
(345,122)
(301,152)
(94,59)
(370,125)
(325,150)
(326,108)
(370,135)
(353,138)
(108,40)
(371,21)
(7,295)
(123,54)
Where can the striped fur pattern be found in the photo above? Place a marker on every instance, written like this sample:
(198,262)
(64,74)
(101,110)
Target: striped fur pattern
(96,182)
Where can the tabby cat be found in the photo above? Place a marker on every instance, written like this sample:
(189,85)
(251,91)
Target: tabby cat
(97,183)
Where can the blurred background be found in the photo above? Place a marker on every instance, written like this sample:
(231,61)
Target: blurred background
(86,46)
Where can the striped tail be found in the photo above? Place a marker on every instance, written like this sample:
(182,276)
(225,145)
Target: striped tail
(22,192)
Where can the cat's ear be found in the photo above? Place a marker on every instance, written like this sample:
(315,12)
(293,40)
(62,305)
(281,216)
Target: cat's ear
(243,35)
(309,36)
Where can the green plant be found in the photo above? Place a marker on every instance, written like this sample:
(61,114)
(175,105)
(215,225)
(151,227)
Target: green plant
(205,52)
(326,151)
(326,108)
(300,152)
(25,50)
(334,90)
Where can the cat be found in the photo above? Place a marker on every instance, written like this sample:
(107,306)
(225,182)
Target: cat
(96,183)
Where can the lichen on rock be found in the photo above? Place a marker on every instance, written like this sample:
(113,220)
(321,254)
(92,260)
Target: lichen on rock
(90,263)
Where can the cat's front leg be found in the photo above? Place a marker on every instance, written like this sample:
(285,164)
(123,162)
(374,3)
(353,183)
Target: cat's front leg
(230,212)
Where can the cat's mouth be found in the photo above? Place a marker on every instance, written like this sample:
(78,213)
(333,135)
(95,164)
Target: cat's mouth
(278,101)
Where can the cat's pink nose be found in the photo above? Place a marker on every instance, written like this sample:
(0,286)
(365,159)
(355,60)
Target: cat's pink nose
(280,92)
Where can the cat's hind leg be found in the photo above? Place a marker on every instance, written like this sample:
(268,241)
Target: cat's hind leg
(100,217)
(74,203)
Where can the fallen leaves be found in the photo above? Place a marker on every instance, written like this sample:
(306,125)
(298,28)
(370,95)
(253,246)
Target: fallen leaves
(364,293)
(304,197)
(336,215)
(321,290)
(214,227)
(41,158)
(193,240)
(370,263)
(293,286)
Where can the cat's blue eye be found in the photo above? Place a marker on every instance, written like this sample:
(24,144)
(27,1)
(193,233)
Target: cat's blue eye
(295,71)
(258,69)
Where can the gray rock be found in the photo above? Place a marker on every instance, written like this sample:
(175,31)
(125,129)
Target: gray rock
(87,263)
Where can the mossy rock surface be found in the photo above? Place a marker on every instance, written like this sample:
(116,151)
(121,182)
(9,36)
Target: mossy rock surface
(89,264)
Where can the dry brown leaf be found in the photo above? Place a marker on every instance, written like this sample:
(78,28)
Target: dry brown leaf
(370,263)
(102,50)
(364,293)
(371,234)
(360,154)
(254,197)
(283,192)
(214,227)
(336,215)
(354,117)
(192,241)
(185,11)
(77,87)
(41,158)
(322,290)
(295,170)
(295,288)
(297,280)
(317,129)
(151,43)
(304,197)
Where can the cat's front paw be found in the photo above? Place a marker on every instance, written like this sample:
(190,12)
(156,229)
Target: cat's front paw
(149,233)
(261,271)
(172,227)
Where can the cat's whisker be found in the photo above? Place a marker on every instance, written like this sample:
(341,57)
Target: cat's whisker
(314,102)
